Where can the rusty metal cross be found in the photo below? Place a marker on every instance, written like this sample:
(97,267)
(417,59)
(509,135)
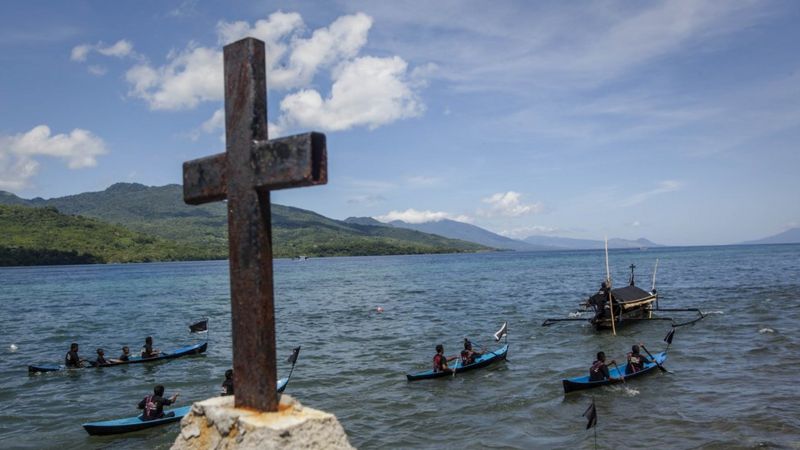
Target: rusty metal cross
(251,167)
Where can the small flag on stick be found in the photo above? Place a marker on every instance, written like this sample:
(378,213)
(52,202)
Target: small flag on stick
(199,327)
(503,331)
(591,415)
(668,337)
(293,357)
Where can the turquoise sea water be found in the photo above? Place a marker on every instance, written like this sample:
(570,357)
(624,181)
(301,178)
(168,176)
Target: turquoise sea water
(735,381)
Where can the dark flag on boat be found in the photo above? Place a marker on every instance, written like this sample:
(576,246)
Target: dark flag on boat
(591,415)
(293,357)
(668,337)
(199,327)
(501,332)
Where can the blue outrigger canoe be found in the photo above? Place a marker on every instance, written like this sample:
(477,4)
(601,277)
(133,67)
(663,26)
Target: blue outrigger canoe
(183,351)
(581,383)
(129,424)
(481,361)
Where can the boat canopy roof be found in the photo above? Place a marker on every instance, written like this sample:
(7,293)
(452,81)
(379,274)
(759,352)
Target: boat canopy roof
(629,293)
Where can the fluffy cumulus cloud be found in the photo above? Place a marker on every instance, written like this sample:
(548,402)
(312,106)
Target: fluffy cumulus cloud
(365,90)
(190,77)
(414,216)
(18,153)
(509,204)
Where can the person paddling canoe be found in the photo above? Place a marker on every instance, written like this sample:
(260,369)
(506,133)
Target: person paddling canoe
(153,405)
(101,358)
(599,370)
(440,361)
(71,359)
(148,351)
(468,355)
(635,360)
(227,385)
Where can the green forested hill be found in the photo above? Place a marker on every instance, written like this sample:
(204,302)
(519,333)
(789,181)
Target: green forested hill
(33,236)
(160,211)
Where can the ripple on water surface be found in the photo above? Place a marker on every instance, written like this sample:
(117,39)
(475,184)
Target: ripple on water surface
(734,382)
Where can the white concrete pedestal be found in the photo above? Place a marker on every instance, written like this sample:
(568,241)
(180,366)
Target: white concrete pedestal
(216,424)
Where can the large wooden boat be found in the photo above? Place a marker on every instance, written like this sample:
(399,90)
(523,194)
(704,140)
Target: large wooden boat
(621,304)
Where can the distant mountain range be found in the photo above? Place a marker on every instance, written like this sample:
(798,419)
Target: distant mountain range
(159,211)
(467,232)
(471,233)
(589,244)
(791,236)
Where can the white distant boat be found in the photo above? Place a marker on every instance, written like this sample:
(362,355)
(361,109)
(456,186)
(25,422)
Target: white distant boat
(301,258)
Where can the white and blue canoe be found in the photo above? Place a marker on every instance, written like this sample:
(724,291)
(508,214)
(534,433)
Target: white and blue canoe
(481,361)
(195,349)
(130,424)
(581,383)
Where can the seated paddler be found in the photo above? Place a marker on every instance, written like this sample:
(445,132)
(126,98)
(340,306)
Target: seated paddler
(153,405)
(440,361)
(599,370)
(636,361)
(227,385)
(148,351)
(71,359)
(101,358)
(468,355)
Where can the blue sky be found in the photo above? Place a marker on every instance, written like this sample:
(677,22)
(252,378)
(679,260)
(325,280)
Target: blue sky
(677,121)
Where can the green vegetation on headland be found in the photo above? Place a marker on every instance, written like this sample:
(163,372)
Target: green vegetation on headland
(35,236)
(134,223)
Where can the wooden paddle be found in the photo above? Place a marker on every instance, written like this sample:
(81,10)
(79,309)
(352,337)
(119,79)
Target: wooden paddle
(621,374)
(654,359)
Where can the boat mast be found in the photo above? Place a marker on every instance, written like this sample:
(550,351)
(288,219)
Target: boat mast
(610,299)
(653,289)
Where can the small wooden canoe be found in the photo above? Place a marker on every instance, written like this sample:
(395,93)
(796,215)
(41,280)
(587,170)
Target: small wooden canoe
(183,351)
(129,424)
(481,361)
(580,383)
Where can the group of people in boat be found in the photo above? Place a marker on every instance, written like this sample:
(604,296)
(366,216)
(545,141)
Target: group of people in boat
(599,370)
(73,360)
(467,356)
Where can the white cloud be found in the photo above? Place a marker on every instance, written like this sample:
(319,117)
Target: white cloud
(509,204)
(414,216)
(663,188)
(97,70)
(18,153)
(119,49)
(215,122)
(366,90)
(190,77)
(80,52)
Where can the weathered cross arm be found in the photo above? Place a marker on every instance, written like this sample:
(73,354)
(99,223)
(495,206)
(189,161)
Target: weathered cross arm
(292,161)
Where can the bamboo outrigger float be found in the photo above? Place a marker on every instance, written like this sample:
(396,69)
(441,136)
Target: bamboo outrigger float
(616,307)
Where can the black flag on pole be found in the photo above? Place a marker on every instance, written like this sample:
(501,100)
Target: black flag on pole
(199,327)
(668,337)
(591,415)
(293,357)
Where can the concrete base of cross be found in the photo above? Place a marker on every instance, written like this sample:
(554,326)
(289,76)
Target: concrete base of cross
(216,424)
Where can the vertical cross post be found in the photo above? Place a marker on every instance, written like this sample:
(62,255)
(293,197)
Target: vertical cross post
(245,174)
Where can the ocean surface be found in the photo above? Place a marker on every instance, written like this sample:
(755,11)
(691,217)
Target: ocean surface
(735,380)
